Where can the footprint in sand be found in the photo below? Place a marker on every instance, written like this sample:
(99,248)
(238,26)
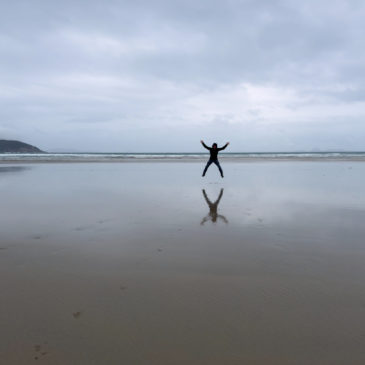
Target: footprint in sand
(39,351)
(81,228)
(76,315)
(37,237)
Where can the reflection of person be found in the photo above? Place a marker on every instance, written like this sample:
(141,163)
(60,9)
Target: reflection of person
(213,207)
(213,156)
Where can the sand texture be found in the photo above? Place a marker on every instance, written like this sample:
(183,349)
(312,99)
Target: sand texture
(150,264)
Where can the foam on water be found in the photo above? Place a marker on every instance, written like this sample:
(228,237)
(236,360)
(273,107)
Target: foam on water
(104,157)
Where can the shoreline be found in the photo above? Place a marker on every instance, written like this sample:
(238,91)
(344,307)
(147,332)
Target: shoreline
(181,160)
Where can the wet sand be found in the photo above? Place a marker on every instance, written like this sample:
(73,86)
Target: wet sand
(139,264)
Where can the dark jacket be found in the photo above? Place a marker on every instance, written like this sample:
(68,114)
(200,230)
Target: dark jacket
(214,151)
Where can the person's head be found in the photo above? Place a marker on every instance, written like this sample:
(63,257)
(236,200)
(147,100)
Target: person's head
(214,145)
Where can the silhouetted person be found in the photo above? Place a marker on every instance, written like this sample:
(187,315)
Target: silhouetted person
(213,156)
(213,207)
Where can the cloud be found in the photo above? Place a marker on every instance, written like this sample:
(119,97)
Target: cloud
(158,75)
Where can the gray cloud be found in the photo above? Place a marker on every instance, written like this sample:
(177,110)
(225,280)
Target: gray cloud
(161,75)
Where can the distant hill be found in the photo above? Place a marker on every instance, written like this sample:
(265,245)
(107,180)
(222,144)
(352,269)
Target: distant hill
(17,147)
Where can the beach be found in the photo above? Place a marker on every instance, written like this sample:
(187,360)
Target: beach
(137,263)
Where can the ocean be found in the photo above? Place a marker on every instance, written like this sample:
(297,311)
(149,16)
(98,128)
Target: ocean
(191,156)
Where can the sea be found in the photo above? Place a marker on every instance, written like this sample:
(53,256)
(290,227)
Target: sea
(167,156)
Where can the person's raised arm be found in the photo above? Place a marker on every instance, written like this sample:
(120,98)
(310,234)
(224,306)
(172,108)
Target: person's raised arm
(205,146)
(222,148)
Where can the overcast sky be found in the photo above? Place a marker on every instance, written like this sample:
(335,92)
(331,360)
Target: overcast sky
(129,76)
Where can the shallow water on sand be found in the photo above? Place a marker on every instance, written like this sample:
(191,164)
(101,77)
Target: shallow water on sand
(138,263)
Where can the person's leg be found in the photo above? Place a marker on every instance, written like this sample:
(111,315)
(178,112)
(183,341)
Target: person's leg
(219,167)
(206,167)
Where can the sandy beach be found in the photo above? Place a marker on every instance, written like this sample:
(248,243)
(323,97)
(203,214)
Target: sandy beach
(139,264)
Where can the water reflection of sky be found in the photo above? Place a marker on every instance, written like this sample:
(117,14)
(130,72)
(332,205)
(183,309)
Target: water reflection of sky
(13,169)
(302,199)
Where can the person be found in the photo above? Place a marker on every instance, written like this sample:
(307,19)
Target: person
(213,209)
(213,156)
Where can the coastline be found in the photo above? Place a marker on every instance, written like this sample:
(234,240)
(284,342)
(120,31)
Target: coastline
(180,158)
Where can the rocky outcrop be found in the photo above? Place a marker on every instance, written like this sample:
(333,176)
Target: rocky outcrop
(17,147)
